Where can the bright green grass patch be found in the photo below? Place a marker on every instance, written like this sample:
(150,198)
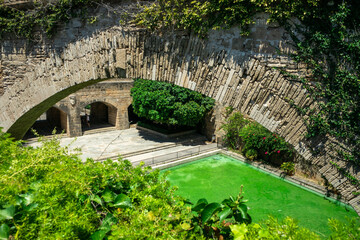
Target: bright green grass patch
(219,176)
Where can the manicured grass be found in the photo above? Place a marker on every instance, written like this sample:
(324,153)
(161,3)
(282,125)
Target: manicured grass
(219,176)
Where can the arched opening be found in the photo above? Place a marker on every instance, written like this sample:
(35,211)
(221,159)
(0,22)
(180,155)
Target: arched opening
(98,115)
(53,118)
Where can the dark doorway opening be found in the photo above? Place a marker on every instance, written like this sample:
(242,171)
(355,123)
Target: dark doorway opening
(98,115)
(52,121)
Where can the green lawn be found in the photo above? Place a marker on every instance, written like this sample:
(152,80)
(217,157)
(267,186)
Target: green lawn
(219,176)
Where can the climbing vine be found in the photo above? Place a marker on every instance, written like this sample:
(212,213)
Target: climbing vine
(41,16)
(197,16)
(204,15)
(331,49)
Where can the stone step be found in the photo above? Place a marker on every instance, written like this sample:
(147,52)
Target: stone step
(99,130)
(183,160)
(194,140)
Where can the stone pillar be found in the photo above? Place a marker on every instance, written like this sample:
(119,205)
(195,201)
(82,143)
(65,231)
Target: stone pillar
(74,121)
(122,119)
(112,115)
(64,121)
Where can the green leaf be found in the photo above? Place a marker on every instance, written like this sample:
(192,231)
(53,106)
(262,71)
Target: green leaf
(239,231)
(7,213)
(208,211)
(4,232)
(122,201)
(264,234)
(227,202)
(201,203)
(30,207)
(107,222)
(185,226)
(26,198)
(96,199)
(243,210)
(108,196)
(224,213)
(99,235)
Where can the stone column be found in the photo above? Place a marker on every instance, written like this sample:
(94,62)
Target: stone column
(74,117)
(122,118)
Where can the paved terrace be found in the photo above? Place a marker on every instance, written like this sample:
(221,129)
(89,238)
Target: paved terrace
(131,144)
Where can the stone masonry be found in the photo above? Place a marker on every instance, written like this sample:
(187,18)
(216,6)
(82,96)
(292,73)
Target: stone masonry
(114,93)
(237,71)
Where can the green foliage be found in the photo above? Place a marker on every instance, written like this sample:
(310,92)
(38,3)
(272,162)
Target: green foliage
(251,154)
(340,230)
(254,140)
(46,193)
(204,15)
(263,141)
(234,123)
(272,229)
(197,16)
(331,49)
(215,219)
(44,16)
(288,167)
(169,104)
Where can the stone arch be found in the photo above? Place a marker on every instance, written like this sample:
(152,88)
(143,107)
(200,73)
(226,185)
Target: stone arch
(30,114)
(107,114)
(235,71)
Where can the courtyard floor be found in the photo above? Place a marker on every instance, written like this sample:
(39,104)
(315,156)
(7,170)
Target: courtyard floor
(132,144)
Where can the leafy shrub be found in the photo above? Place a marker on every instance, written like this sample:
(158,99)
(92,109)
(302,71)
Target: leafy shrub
(273,229)
(169,104)
(251,154)
(349,230)
(232,128)
(263,141)
(46,193)
(288,167)
(254,140)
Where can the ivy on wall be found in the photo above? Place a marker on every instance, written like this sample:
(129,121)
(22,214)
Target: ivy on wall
(331,49)
(41,16)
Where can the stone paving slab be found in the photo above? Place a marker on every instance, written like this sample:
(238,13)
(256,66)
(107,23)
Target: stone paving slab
(121,142)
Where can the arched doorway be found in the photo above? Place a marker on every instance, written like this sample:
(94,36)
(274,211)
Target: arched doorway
(53,120)
(98,115)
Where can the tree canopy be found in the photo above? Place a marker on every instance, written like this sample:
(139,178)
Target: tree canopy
(169,104)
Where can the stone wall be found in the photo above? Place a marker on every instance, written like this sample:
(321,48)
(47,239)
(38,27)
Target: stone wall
(109,101)
(64,121)
(236,71)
